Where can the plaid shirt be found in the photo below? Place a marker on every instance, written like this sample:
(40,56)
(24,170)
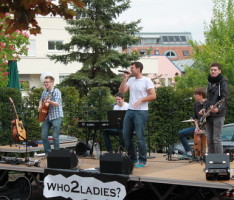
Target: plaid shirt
(54,111)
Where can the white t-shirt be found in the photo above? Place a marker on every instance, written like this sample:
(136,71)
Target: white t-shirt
(138,89)
(124,107)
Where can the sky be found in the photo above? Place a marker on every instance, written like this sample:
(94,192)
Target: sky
(171,16)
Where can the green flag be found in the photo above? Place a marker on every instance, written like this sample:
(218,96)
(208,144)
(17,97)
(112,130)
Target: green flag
(13,76)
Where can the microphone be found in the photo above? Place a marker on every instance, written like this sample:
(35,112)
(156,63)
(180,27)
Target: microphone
(124,71)
(189,98)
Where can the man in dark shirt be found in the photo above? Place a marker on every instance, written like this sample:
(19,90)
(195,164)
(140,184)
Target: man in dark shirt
(217,90)
(199,95)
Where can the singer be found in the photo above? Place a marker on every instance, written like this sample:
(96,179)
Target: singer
(141,92)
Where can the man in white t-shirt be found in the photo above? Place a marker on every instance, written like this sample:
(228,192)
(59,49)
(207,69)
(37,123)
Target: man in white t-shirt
(120,105)
(141,92)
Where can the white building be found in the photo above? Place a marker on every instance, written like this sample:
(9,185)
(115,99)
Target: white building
(32,66)
(53,32)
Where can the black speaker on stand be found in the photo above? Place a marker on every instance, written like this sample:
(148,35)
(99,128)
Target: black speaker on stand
(217,167)
(115,163)
(62,159)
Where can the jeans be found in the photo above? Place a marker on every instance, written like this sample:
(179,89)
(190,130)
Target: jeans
(112,132)
(135,120)
(183,134)
(47,125)
(213,129)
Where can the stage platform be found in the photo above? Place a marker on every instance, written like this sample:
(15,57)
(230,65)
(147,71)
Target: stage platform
(158,170)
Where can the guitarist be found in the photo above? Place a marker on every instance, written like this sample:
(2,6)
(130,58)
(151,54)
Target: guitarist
(217,90)
(55,113)
(199,95)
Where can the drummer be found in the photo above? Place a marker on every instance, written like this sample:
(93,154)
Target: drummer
(199,95)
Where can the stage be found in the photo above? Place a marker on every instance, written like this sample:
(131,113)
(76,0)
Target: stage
(158,170)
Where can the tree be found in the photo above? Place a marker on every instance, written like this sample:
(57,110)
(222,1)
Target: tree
(192,78)
(95,41)
(219,40)
(24,12)
(11,47)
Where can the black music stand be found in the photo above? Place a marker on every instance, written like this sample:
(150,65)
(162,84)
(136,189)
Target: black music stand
(115,119)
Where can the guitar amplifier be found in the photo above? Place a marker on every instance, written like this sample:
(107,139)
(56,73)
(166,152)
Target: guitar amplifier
(115,163)
(217,167)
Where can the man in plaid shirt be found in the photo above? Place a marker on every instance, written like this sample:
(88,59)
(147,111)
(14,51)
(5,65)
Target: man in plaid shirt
(55,113)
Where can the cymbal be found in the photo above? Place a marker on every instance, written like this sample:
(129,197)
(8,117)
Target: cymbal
(189,120)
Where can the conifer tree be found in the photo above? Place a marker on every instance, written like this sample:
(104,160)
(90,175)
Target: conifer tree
(100,43)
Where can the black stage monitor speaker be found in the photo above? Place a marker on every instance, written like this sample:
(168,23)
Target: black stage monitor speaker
(62,159)
(81,149)
(115,163)
(217,167)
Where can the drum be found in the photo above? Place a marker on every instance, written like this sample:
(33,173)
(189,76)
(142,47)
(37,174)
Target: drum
(199,145)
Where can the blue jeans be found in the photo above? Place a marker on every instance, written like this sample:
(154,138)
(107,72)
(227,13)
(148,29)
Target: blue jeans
(47,125)
(182,135)
(112,132)
(135,120)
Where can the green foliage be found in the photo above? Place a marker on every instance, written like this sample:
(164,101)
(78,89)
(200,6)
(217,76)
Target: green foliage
(219,44)
(7,113)
(71,109)
(12,46)
(97,41)
(193,77)
(166,114)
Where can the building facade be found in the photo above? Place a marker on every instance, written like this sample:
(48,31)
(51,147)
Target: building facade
(174,45)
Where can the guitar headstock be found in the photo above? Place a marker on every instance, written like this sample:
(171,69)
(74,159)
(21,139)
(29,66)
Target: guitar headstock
(11,100)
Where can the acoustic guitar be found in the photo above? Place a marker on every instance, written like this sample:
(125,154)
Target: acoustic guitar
(18,130)
(19,189)
(44,109)
(202,120)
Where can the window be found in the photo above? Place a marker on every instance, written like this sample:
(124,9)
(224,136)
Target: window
(156,52)
(186,53)
(54,45)
(183,38)
(142,52)
(32,48)
(170,54)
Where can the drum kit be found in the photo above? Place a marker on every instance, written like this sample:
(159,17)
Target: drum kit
(199,147)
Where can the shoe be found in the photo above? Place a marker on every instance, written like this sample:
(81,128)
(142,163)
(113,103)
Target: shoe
(135,162)
(140,165)
(185,157)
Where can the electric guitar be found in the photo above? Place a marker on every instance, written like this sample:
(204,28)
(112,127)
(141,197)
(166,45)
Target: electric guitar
(202,120)
(19,132)
(19,189)
(44,109)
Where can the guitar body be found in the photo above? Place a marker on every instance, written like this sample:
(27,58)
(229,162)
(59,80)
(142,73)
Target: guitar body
(44,112)
(202,120)
(19,189)
(18,130)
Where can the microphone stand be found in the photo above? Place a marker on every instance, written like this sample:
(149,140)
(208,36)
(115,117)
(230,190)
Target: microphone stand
(26,143)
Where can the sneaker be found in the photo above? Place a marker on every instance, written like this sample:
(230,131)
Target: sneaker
(185,157)
(135,162)
(140,165)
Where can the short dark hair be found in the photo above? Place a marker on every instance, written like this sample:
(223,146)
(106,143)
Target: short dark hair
(216,65)
(200,91)
(50,77)
(138,65)
(120,95)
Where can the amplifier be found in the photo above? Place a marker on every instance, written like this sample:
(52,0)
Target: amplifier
(217,167)
(115,163)
(62,159)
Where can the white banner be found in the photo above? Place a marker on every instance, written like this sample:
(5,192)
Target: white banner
(78,188)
